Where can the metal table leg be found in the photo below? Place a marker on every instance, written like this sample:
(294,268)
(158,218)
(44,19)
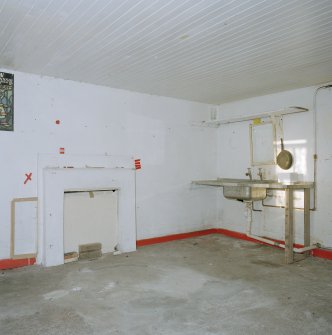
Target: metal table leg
(289,226)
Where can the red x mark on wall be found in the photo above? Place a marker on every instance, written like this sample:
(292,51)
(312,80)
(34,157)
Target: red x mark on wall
(28,177)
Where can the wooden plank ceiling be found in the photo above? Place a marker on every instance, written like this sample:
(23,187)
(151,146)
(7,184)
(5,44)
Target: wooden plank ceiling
(210,51)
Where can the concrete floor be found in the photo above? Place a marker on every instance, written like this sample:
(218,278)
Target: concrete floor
(208,285)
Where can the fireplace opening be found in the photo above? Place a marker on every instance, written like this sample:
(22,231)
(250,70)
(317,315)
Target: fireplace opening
(90,223)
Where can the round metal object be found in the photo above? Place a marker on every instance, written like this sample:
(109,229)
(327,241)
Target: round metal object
(284,158)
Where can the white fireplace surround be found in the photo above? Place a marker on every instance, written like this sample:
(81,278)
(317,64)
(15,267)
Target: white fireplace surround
(85,173)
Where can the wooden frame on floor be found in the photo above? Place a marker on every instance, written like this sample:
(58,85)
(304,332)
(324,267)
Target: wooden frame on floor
(12,230)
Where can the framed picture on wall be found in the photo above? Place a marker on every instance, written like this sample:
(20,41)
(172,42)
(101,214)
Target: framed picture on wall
(6,101)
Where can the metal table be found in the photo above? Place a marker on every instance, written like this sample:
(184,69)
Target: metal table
(289,189)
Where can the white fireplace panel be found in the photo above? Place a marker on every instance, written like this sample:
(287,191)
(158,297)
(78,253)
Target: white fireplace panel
(58,180)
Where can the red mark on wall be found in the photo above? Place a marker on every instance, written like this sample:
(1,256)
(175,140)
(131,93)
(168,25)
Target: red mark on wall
(61,151)
(138,164)
(57,121)
(27,177)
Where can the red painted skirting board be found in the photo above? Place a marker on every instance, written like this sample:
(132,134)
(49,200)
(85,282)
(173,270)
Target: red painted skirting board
(322,253)
(242,236)
(168,238)
(327,254)
(6,264)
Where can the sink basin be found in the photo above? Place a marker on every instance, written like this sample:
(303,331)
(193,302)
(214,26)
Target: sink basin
(244,189)
(241,189)
(249,190)
(246,193)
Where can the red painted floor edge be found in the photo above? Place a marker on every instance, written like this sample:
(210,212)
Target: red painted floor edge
(321,253)
(242,236)
(6,264)
(168,238)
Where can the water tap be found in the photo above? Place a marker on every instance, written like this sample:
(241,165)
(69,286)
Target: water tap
(249,174)
(260,173)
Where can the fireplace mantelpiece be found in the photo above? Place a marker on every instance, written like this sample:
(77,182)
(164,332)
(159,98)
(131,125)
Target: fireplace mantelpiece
(54,181)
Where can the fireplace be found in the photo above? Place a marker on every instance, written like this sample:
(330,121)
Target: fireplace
(58,175)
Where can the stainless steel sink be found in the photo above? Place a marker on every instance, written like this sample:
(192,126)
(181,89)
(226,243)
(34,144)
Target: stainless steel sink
(249,190)
(244,189)
(241,189)
(246,193)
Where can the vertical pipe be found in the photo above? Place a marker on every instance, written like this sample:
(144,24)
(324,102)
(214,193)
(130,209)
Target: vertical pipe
(315,155)
(307,219)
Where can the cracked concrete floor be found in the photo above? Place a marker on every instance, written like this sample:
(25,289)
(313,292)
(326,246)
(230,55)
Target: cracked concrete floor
(207,285)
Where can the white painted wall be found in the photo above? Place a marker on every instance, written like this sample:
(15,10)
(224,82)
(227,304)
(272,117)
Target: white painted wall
(234,158)
(99,120)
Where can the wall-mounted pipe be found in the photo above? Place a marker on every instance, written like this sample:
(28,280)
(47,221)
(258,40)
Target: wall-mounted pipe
(249,206)
(315,154)
(285,111)
(283,207)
